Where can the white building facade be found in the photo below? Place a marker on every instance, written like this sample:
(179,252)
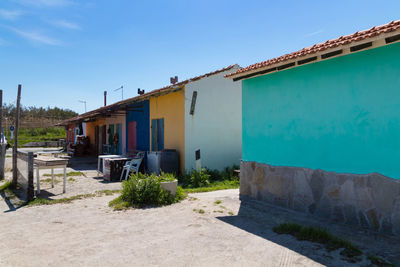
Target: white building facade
(213,122)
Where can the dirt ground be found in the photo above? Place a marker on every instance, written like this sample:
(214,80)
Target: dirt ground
(232,233)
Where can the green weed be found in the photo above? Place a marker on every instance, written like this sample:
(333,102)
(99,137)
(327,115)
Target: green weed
(6,186)
(220,211)
(378,261)
(201,211)
(67,174)
(44,201)
(319,236)
(214,186)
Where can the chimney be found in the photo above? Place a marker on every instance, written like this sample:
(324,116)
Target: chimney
(105,98)
(173,80)
(140,92)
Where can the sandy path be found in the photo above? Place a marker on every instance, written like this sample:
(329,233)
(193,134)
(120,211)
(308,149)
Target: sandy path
(88,233)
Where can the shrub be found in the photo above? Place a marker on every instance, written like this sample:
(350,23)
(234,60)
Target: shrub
(199,178)
(141,190)
(205,177)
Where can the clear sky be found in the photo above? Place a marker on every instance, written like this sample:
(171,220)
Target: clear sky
(63,51)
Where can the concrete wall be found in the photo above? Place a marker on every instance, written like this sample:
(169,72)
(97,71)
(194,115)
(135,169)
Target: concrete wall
(216,126)
(340,114)
(368,201)
(170,107)
(118,119)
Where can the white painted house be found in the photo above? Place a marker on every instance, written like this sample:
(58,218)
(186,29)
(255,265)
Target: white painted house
(213,121)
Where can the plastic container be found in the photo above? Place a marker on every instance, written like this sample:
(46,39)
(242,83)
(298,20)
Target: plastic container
(169,162)
(153,162)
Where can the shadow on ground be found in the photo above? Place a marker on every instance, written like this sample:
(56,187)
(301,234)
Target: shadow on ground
(259,218)
(17,201)
(83,163)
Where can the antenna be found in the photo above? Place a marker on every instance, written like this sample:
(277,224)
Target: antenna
(122,91)
(173,80)
(84,103)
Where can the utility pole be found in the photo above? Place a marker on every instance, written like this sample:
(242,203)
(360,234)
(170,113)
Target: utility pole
(2,138)
(84,102)
(14,159)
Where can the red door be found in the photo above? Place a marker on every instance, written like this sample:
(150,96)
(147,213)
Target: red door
(131,135)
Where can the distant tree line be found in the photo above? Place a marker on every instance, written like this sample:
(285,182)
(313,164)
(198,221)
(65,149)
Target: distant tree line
(38,113)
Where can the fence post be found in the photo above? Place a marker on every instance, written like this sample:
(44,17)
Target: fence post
(2,137)
(14,160)
(31,189)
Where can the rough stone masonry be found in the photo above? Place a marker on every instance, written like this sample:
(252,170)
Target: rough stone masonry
(368,201)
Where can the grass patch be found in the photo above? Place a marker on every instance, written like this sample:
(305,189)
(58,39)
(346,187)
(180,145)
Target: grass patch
(118,204)
(44,201)
(26,135)
(201,211)
(378,261)
(6,186)
(48,180)
(319,236)
(230,213)
(220,211)
(214,186)
(67,174)
(217,202)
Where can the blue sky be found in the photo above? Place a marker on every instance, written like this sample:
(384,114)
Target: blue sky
(63,51)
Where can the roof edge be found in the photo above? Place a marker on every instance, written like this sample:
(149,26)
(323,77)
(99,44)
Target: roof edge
(375,34)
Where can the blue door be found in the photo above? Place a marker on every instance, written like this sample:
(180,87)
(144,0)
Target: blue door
(157,134)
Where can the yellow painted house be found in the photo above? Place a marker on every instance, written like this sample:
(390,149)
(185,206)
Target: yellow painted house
(167,123)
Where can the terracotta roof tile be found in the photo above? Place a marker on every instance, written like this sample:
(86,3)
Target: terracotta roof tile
(342,40)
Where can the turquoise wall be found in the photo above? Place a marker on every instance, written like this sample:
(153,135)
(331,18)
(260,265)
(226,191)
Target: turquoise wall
(341,114)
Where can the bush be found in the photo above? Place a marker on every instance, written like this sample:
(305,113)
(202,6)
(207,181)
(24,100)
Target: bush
(142,190)
(195,179)
(205,177)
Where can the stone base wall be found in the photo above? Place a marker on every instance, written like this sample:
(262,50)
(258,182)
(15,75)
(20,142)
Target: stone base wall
(369,201)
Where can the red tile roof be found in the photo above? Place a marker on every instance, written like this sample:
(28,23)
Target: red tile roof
(163,90)
(343,40)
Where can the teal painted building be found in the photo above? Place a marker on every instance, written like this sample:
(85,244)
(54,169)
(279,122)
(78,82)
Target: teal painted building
(340,114)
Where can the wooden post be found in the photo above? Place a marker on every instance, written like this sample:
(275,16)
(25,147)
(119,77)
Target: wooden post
(52,178)
(37,181)
(65,178)
(14,159)
(3,154)
(31,189)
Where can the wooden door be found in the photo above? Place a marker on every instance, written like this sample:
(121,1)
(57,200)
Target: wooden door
(132,136)
(96,140)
